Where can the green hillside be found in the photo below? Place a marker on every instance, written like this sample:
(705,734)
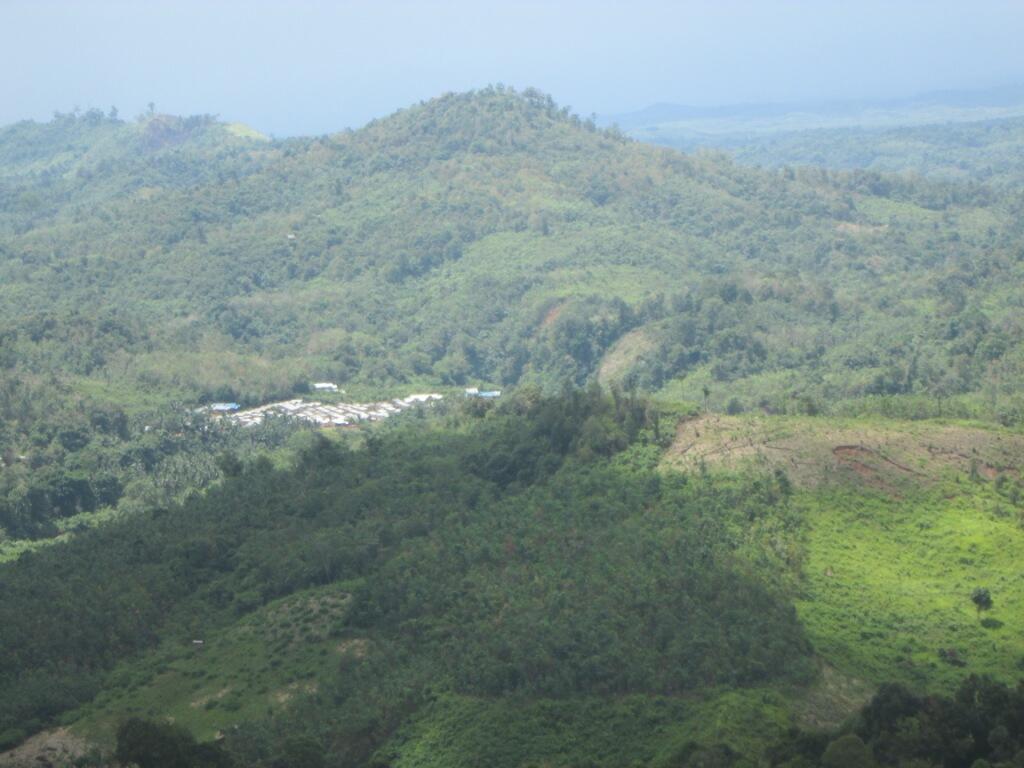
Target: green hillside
(467,238)
(752,494)
(555,582)
(510,555)
(902,521)
(487,237)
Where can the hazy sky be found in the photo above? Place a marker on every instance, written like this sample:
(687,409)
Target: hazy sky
(300,66)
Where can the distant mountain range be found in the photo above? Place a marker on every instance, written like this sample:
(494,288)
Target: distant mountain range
(663,122)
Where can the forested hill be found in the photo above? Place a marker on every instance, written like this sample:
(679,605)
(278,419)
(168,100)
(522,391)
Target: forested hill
(609,575)
(489,236)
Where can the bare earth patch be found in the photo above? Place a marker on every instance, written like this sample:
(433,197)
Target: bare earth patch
(552,316)
(885,455)
(624,355)
(849,228)
(284,695)
(202,701)
(357,647)
(49,749)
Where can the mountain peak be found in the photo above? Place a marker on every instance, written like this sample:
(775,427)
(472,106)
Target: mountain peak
(491,120)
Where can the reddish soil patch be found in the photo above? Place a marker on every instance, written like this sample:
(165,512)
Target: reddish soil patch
(855,452)
(878,454)
(552,315)
(849,457)
(852,452)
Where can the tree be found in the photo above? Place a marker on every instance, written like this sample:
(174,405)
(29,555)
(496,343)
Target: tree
(783,482)
(162,745)
(848,752)
(301,752)
(153,745)
(229,463)
(982,599)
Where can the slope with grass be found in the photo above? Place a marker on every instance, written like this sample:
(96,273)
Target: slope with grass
(903,521)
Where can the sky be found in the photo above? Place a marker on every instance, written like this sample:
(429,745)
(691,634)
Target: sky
(311,67)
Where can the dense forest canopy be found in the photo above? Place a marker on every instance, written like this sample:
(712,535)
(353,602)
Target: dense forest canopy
(485,236)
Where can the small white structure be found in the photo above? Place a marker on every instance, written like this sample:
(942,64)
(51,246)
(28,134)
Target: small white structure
(476,392)
(325,386)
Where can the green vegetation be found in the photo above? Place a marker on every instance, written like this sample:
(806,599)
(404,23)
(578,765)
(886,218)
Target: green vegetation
(901,523)
(978,727)
(210,683)
(161,745)
(516,553)
(482,237)
(69,459)
(822,495)
(534,583)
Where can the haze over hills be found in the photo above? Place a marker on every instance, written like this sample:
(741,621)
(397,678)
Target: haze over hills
(757,456)
(679,124)
(947,136)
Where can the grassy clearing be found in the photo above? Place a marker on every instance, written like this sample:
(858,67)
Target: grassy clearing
(894,211)
(902,520)
(624,356)
(888,584)
(243,131)
(12,549)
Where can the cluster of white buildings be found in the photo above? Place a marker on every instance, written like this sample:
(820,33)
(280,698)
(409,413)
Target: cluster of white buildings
(330,414)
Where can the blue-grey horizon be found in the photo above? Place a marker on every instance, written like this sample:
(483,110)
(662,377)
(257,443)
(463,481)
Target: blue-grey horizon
(311,67)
